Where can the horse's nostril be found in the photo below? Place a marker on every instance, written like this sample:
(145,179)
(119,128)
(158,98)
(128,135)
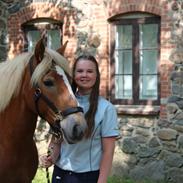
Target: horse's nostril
(77,132)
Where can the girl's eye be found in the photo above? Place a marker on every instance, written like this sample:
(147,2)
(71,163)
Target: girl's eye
(79,71)
(90,71)
(48,83)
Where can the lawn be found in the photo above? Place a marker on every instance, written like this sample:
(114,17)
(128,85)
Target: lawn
(40,176)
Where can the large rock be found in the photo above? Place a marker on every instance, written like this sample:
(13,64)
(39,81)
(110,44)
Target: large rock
(167,134)
(153,171)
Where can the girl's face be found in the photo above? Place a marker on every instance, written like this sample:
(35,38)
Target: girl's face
(85,75)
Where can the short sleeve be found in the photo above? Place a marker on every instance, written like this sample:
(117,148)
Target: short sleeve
(110,122)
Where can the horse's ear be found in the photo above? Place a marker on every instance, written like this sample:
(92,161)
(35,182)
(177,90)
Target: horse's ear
(39,49)
(61,50)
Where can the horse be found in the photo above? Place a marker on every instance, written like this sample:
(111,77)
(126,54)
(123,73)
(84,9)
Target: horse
(34,84)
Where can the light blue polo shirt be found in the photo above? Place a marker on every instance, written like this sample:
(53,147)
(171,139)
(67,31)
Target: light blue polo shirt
(86,155)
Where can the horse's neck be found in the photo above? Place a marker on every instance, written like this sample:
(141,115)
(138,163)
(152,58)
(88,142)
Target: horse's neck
(18,120)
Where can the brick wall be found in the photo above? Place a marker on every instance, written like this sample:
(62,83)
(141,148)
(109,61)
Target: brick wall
(33,11)
(73,24)
(91,17)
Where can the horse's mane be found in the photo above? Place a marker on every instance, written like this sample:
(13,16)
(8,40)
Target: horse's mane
(45,65)
(11,73)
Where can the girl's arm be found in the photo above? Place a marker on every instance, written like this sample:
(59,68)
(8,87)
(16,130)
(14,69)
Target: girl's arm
(51,157)
(108,145)
(54,148)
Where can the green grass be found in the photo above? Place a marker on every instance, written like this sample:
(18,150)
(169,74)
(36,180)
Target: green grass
(41,178)
(115,179)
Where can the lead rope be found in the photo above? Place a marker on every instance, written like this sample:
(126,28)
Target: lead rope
(47,169)
(47,175)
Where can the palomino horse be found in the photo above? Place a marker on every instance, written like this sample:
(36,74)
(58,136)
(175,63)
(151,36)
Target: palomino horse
(34,84)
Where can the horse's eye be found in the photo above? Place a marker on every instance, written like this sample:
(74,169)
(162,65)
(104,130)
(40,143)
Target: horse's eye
(48,83)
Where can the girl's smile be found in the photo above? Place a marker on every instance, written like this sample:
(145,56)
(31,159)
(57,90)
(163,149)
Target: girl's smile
(85,76)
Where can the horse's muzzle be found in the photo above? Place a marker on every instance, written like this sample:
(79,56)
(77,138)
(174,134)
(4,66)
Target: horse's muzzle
(73,127)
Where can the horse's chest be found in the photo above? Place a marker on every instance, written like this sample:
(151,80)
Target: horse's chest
(18,164)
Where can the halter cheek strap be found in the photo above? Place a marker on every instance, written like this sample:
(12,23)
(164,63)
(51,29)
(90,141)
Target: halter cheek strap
(38,94)
(55,129)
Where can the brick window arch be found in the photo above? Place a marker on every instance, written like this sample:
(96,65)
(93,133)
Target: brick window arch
(27,16)
(33,29)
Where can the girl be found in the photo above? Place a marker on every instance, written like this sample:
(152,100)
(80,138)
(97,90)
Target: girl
(90,160)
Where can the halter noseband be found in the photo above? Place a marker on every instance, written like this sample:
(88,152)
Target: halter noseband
(38,94)
(62,114)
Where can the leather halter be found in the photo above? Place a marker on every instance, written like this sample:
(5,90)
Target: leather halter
(56,130)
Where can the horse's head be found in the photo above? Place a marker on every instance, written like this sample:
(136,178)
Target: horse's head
(53,96)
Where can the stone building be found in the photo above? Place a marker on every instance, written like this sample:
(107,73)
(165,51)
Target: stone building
(138,44)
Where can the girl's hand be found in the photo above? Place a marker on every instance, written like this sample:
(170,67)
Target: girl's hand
(45,161)
(51,157)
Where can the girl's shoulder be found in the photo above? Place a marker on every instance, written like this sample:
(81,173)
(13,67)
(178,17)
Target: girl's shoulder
(105,103)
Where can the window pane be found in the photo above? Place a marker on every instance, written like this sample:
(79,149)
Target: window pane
(148,87)
(148,35)
(123,87)
(33,36)
(148,61)
(53,39)
(123,66)
(123,62)
(124,37)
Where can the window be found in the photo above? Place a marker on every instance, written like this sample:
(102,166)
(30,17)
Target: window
(136,58)
(34,28)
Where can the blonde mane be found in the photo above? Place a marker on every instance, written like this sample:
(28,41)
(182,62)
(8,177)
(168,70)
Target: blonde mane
(11,73)
(45,65)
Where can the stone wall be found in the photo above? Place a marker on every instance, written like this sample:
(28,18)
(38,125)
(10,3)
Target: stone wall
(3,31)
(150,148)
(7,7)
